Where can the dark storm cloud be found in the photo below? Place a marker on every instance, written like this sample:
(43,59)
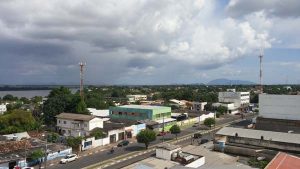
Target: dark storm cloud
(128,41)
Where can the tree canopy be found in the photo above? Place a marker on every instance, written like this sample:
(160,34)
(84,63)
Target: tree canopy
(209,122)
(146,136)
(175,129)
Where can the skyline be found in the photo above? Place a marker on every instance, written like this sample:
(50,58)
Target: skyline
(148,42)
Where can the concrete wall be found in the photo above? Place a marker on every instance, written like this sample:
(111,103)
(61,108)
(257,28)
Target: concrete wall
(165,154)
(265,143)
(197,163)
(279,106)
(95,143)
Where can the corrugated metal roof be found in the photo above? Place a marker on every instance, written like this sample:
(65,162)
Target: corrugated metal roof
(256,134)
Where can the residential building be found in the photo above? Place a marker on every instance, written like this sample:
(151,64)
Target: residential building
(2,108)
(134,98)
(198,106)
(239,99)
(71,124)
(140,112)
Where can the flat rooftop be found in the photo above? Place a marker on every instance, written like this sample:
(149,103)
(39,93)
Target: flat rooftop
(256,134)
(143,107)
(152,163)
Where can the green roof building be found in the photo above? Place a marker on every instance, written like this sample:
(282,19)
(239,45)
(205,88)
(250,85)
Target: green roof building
(139,112)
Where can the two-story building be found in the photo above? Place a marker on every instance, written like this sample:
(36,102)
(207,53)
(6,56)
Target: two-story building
(161,115)
(71,124)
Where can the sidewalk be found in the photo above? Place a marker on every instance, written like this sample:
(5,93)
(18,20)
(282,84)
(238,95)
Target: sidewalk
(86,153)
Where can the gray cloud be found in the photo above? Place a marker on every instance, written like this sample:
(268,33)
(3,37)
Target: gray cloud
(279,8)
(123,41)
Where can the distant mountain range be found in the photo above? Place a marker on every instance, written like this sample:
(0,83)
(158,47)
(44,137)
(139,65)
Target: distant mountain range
(229,82)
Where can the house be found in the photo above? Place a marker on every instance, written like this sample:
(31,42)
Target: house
(134,98)
(71,124)
(198,106)
(2,108)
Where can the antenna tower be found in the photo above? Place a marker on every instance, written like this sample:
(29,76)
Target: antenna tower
(81,65)
(260,71)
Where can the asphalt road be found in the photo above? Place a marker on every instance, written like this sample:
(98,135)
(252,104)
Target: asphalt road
(106,155)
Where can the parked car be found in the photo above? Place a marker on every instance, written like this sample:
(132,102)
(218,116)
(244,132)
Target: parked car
(123,143)
(197,135)
(27,168)
(162,133)
(203,141)
(69,158)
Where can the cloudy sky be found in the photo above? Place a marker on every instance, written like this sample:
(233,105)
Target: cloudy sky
(148,42)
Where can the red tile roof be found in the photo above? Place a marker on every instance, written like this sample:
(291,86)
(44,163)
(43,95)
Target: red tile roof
(284,161)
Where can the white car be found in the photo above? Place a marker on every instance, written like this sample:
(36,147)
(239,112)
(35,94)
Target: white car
(69,158)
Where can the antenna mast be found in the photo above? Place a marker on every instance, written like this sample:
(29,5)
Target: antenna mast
(261,72)
(81,65)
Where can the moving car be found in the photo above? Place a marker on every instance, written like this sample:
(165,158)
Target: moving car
(123,143)
(69,158)
(203,141)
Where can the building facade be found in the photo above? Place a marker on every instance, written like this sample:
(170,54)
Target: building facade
(139,112)
(2,108)
(239,99)
(285,107)
(134,98)
(71,124)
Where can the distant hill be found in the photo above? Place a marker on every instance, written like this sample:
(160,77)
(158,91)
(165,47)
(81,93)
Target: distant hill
(229,82)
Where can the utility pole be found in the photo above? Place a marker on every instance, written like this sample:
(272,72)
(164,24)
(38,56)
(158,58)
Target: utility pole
(81,65)
(163,130)
(260,71)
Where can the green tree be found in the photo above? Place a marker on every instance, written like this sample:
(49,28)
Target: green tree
(222,109)
(37,154)
(175,129)
(209,122)
(97,133)
(146,136)
(74,142)
(25,100)
(9,97)
(81,108)
(52,137)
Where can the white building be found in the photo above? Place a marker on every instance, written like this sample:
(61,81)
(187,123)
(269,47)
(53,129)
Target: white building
(99,113)
(231,108)
(2,108)
(165,151)
(279,106)
(70,124)
(134,98)
(237,98)
(198,106)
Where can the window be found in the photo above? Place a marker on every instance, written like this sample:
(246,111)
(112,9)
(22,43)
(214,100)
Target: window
(65,122)
(85,125)
(58,121)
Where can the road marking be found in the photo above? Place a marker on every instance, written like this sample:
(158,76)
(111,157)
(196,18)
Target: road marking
(103,150)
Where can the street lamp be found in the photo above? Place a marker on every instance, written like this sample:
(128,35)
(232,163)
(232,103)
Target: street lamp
(45,163)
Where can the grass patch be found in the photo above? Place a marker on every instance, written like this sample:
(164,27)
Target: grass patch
(253,162)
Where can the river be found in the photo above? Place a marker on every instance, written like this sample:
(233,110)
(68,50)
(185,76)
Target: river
(29,93)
